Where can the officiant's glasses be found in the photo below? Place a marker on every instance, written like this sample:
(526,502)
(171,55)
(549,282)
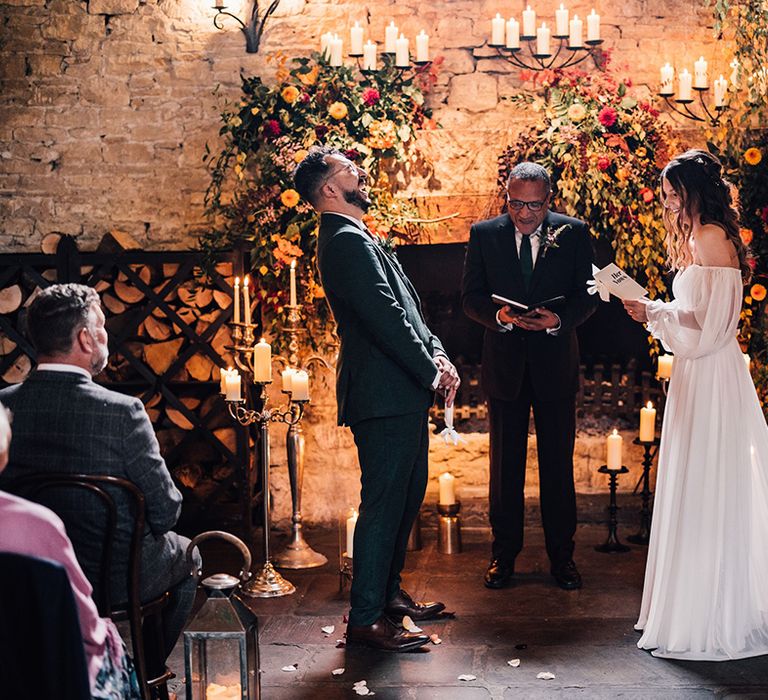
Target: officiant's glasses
(519,204)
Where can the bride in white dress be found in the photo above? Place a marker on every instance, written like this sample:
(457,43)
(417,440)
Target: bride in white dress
(705,595)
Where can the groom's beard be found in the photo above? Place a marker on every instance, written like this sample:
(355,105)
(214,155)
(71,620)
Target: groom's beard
(358,199)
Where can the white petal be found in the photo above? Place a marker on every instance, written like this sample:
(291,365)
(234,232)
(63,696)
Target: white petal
(514,663)
(289,669)
(329,629)
(545,676)
(337,671)
(410,625)
(467,677)
(435,639)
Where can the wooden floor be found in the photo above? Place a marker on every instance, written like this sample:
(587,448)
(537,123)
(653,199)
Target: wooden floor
(585,638)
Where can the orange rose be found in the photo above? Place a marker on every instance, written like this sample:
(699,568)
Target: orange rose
(289,198)
(753,156)
(338,110)
(758,292)
(290,94)
(746,236)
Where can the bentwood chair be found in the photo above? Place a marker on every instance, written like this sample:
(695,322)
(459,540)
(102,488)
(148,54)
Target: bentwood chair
(144,619)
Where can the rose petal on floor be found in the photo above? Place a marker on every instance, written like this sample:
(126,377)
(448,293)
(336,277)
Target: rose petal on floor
(410,625)
(545,676)
(514,663)
(435,639)
(337,671)
(361,688)
(467,677)
(328,629)
(290,669)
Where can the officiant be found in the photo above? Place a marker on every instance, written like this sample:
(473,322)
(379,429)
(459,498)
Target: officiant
(541,260)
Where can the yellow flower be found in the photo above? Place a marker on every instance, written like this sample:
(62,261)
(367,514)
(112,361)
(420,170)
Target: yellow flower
(310,77)
(758,292)
(641,152)
(235,121)
(338,110)
(263,270)
(289,198)
(577,112)
(300,155)
(290,94)
(753,156)
(254,111)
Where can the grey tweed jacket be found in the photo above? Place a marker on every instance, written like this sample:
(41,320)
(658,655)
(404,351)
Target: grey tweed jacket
(64,422)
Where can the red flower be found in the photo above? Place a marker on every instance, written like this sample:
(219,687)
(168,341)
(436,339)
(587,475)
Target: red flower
(352,154)
(603,163)
(647,194)
(272,127)
(321,130)
(607,116)
(304,98)
(370,96)
(648,107)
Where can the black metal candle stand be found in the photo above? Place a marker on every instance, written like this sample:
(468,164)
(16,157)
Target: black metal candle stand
(612,544)
(650,448)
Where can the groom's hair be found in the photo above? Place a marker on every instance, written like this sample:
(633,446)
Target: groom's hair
(310,173)
(530,171)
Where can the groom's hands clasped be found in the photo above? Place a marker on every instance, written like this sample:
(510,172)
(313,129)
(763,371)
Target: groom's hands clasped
(449,380)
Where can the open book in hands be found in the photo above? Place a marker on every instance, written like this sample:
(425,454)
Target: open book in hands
(613,280)
(517,307)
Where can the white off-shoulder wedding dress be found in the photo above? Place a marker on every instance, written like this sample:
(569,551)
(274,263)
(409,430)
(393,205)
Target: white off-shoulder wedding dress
(705,595)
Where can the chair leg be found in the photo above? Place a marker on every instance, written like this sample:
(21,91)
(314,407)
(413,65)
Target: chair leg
(154,655)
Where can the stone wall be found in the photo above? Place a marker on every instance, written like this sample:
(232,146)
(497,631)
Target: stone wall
(106,105)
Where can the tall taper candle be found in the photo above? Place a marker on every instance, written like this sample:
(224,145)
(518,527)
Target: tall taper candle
(350,532)
(246,301)
(236,316)
(293,283)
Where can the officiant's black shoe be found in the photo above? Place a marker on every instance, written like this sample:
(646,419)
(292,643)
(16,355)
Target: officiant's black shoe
(567,576)
(402,604)
(386,636)
(498,574)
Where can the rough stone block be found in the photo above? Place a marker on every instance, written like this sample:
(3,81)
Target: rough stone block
(474,92)
(112,7)
(42,65)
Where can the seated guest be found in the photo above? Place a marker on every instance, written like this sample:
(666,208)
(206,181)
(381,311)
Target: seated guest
(65,422)
(32,530)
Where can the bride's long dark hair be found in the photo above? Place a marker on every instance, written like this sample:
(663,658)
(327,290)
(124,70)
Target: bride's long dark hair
(697,178)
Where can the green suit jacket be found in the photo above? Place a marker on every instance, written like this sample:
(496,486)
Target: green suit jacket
(385,365)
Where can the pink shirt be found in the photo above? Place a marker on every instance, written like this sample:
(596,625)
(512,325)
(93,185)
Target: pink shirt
(31,529)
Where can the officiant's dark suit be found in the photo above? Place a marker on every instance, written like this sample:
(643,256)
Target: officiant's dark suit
(525,365)
(389,363)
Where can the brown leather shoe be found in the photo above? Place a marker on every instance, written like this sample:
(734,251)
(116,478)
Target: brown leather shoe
(402,604)
(385,635)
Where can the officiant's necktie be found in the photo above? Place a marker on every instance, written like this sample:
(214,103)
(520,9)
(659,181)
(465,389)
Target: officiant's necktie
(526,260)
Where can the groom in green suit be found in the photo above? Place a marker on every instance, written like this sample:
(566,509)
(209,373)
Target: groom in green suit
(389,366)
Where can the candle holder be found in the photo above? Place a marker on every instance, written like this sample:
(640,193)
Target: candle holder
(267,583)
(713,118)
(449,528)
(549,61)
(650,448)
(345,556)
(612,544)
(298,554)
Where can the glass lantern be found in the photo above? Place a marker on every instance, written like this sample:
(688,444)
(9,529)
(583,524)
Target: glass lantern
(221,642)
(347,524)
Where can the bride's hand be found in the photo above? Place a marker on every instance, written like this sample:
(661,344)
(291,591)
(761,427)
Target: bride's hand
(636,310)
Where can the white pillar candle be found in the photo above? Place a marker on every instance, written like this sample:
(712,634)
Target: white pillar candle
(422,47)
(337,51)
(497,30)
(666,86)
(401,52)
(293,283)
(300,386)
(356,40)
(232,385)
(700,73)
(390,37)
(285,377)
(247,300)
(529,22)
(542,40)
(664,368)
(325,44)
(561,21)
(721,90)
(576,36)
(223,380)
(447,496)
(747,361)
(262,362)
(220,4)
(513,34)
(615,447)
(684,82)
(648,423)
(734,64)
(593,26)
(237,300)
(350,531)
(369,56)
